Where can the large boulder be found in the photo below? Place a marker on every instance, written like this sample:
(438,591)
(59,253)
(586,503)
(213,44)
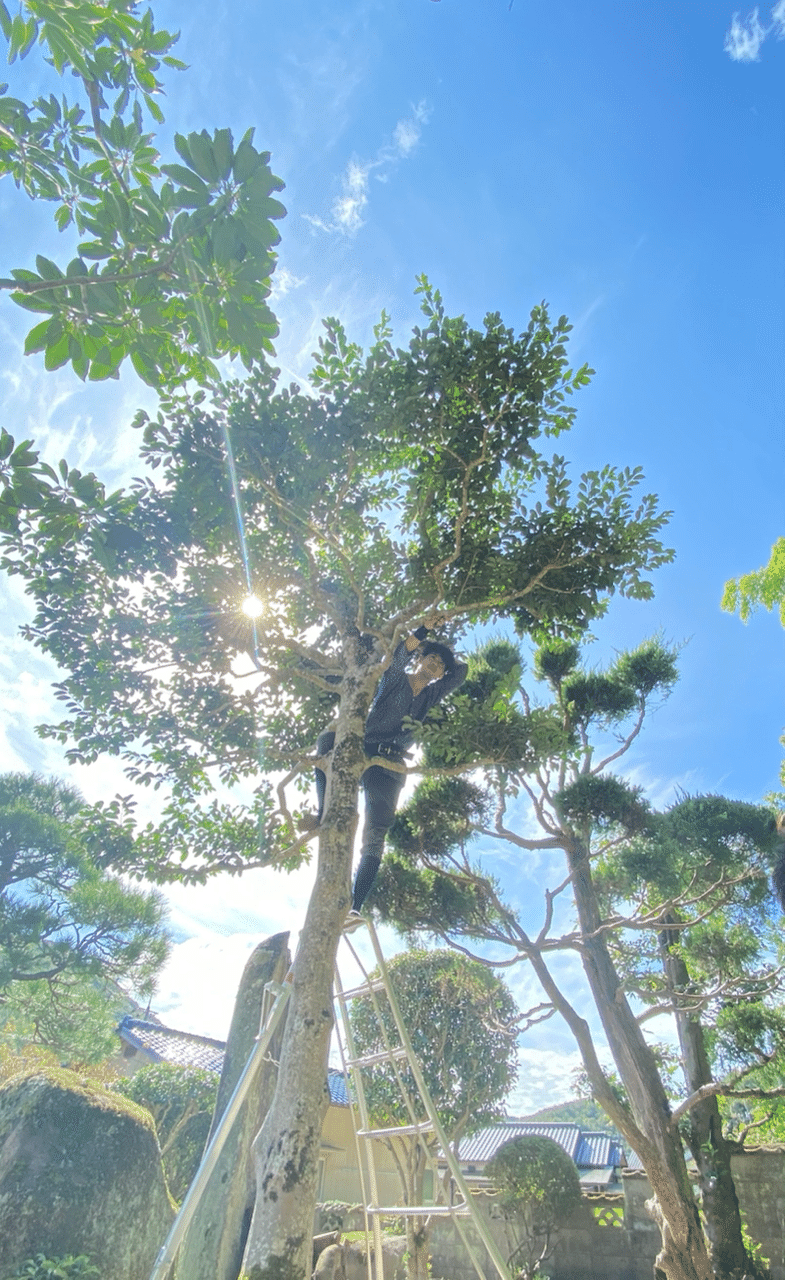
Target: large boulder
(80,1173)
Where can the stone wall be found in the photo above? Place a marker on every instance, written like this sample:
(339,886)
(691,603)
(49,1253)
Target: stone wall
(605,1238)
(759,1174)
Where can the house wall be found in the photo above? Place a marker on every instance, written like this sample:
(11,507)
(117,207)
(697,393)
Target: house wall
(339,1177)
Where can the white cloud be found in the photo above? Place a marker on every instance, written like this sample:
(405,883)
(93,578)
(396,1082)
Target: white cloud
(545,1078)
(348,208)
(408,130)
(744,39)
(284,282)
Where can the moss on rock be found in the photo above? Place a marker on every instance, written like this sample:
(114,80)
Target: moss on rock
(80,1173)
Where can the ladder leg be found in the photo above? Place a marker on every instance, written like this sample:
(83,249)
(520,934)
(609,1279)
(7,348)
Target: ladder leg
(374,1272)
(481,1225)
(197,1188)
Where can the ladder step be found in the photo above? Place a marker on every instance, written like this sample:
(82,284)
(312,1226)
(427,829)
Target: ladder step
(397,1130)
(364,990)
(371,1059)
(420,1211)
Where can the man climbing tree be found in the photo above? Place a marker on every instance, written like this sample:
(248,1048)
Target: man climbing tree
(414,481)
(401,701)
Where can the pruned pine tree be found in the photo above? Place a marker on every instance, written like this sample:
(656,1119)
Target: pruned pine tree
(407,484)
(66,921)
(656,896)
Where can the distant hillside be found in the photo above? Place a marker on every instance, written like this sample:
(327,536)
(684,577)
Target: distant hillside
(581,1111)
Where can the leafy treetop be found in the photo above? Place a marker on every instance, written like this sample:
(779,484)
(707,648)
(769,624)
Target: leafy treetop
(173,260)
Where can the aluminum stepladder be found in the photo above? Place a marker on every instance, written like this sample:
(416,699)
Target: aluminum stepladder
(275,1000)
(419,1128)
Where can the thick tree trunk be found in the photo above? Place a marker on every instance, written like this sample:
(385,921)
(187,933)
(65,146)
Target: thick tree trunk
(286,1149)
(213,1247)
(684,1255)
(710,1150)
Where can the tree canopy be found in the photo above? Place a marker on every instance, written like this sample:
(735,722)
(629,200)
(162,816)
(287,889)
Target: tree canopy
(412,478)
(761,588)
(461,1020)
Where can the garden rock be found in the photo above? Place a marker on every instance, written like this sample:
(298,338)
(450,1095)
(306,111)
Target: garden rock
(80,1173)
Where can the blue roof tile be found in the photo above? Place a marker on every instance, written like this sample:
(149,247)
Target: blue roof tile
(589,1150)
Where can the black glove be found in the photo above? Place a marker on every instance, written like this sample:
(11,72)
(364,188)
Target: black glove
(421,633)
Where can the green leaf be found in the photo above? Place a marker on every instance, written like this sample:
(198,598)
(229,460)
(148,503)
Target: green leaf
(31,33)
(95,249)
(246,160)
(203,156)
(185,177)
(57,355)
(5,21)
(49,270)
(154,109)
(223,150)
(17,37)
(37,338)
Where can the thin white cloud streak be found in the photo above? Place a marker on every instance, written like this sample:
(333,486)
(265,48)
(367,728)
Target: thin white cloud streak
(348,208)
(743,40)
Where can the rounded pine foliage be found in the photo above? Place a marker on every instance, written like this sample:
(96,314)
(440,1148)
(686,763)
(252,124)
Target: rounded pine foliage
(653,665)
(459,1016)
(593,696)
(532,1172)
(604,800)
(556,659)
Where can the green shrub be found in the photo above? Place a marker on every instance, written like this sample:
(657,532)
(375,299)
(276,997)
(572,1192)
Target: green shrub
(68,1268)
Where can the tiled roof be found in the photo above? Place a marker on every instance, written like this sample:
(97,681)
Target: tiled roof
(164,1044)
(339,1095)
(588,1149)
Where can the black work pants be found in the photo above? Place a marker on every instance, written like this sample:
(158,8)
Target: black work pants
(382,788)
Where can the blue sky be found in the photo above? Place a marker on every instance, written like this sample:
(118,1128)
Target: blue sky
(626,163)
